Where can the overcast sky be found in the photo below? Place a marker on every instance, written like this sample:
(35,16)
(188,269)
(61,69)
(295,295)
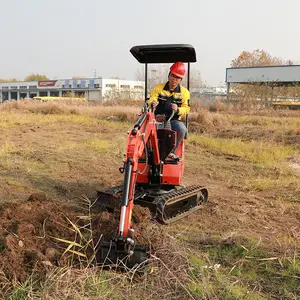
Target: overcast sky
(65,38)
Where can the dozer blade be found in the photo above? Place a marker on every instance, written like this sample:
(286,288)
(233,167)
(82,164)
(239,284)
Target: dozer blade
(110,255)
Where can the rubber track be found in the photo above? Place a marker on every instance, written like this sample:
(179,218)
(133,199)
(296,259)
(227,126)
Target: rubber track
(172,197)
(179,195)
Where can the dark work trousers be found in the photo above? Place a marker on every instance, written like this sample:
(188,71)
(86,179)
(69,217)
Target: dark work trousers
(181,130)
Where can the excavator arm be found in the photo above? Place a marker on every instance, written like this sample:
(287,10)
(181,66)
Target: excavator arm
(122,249)
(143,132)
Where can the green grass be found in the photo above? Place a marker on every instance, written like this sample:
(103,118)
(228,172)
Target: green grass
(238,271)
(98,285)
(268,183)
(258,152)
(271,122)
(26,290)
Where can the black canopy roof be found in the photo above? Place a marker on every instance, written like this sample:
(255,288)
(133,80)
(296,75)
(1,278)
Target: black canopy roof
(164,53)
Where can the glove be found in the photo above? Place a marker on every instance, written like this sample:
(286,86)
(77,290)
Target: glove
(154,104)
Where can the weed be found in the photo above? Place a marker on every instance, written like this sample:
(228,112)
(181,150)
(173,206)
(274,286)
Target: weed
(25,290)
(98,285)
(250,263)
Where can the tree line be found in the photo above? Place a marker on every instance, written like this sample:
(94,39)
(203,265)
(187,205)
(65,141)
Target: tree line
(30,77)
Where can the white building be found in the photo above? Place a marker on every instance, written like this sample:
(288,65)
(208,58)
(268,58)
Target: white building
(91,88)
(213,90)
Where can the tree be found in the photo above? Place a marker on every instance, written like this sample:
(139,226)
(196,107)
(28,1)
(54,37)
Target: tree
(258,58)
(156,74)
(35,77)
(8,80)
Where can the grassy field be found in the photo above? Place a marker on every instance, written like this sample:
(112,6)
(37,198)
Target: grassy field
(244,244)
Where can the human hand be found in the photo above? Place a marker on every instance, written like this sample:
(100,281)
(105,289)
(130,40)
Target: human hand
(154,104)
(174,106)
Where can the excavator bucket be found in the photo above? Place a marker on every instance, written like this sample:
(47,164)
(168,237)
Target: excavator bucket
(118,253)
(113,255)
(108,199)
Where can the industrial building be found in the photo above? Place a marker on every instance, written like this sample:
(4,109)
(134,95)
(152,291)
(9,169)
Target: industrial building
(272,78)
(271,75)
(90,88)
(268,76)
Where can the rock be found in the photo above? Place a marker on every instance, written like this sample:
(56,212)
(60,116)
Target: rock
(37,197)
(52,254)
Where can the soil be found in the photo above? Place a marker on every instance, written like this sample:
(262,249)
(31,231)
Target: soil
(29,231)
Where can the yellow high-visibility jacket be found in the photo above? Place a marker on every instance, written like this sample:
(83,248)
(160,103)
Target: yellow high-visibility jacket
(162,94)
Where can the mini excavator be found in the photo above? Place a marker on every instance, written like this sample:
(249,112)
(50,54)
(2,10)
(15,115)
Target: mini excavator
(150,179)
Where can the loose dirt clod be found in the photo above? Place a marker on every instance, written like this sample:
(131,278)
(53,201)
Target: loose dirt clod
(37,197)
(52,254)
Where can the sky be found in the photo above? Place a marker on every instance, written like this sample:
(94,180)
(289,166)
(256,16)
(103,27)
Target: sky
(66,38)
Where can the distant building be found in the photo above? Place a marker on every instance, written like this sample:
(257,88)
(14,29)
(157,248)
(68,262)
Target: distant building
(90,88)
(264,75)
(213,90)
(274,81)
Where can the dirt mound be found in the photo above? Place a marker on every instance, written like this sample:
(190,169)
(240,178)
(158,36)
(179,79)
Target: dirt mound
(29,232)
(26,231)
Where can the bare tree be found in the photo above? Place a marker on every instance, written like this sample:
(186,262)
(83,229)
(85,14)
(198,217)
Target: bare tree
(258,58)
(159,74)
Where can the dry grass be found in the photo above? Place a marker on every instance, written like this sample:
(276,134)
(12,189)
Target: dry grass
(203,121)
(243,245)
(256,152)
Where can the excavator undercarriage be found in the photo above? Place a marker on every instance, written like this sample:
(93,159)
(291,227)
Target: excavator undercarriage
(166,206)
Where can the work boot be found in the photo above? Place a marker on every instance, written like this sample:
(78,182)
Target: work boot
(173,156)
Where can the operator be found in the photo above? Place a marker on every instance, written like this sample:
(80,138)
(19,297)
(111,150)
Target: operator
(172,96)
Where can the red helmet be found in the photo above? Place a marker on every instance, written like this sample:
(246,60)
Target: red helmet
(178,69)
